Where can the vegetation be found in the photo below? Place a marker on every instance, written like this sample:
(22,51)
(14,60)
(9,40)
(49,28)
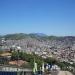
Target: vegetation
(50,60)
(1,51)
(16,36)
(27,57)
(30,58)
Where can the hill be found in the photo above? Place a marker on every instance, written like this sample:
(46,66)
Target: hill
(56,41)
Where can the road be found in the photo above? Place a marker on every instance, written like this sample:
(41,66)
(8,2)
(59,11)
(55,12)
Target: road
(65,73)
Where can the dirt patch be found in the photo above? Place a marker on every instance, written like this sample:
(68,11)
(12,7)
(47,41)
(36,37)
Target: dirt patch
(5,54)
(18,63)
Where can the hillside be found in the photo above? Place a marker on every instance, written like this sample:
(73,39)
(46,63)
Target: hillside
(60,47)
(39,38)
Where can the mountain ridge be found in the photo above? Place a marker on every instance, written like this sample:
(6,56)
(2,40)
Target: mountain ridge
(35,35)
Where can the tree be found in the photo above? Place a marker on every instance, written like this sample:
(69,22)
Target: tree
(51,60)
(14,55)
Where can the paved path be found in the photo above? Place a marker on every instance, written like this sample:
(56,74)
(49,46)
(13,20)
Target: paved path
(65,73)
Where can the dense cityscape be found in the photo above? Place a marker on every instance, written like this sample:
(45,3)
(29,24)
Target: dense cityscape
(37,37)
(48,48)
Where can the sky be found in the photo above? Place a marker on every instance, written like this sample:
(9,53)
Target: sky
(51,17)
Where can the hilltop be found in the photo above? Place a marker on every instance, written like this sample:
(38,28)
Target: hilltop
(40,38)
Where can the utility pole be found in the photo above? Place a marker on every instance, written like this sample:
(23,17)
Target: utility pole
(18,49)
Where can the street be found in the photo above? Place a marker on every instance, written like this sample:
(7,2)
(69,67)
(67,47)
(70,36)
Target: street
(65,73)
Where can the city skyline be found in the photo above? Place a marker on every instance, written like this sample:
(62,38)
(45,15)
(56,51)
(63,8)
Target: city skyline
(51,17)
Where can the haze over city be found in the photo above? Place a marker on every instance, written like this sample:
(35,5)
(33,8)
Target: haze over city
(51,17)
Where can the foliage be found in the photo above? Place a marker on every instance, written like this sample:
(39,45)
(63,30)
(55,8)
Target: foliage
(15,55)
(30,58)
(65,65)
(1,51)
(27,57)
(51,60)
(16,36)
